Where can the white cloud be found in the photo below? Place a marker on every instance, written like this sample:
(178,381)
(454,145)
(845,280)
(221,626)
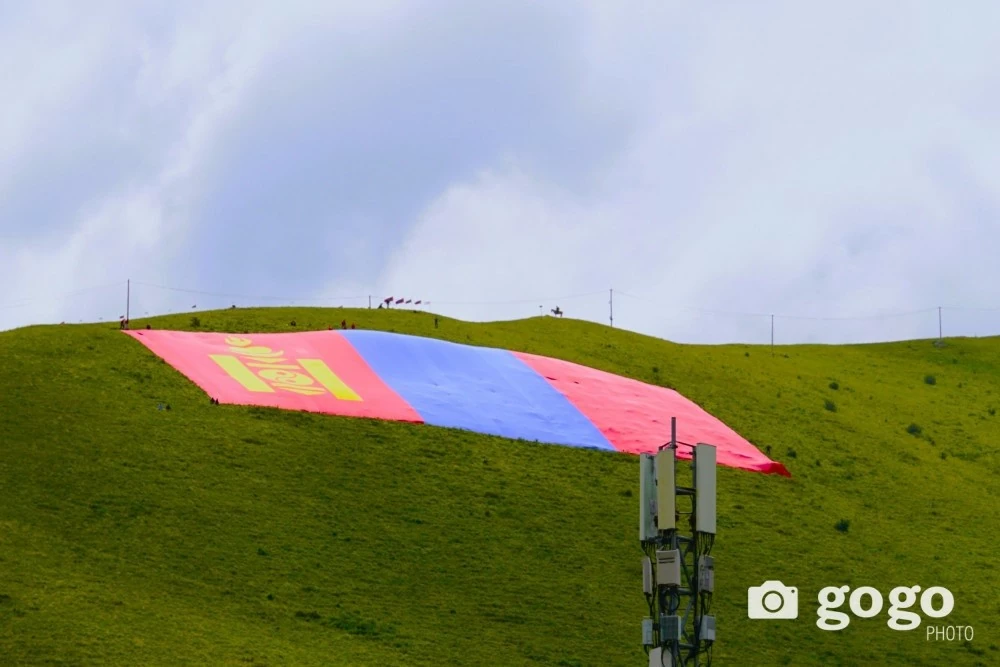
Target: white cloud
(188,83)
(782,158)
(777,138)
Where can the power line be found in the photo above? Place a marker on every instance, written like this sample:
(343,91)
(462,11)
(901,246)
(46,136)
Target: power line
(356,298)
(801,317)
(985,310)
(251,297)
(582,295)
(55,297)
(700,310)
(884,316)
(20,303)
(518,301)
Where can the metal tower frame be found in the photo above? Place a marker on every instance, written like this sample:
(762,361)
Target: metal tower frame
(678,570)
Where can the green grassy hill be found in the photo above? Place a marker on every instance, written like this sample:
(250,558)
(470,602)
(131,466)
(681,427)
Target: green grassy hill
(218,535)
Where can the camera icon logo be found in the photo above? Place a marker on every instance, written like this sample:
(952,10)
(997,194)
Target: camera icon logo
(772,599)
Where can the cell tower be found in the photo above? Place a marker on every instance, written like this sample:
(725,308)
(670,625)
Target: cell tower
(678,571)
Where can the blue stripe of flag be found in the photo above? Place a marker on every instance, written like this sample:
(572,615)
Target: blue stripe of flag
(480,389)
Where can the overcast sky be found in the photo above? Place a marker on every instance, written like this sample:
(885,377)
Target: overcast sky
(810,160)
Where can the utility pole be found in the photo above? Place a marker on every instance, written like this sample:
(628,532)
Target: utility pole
(678,574)
(772,335)
(128,300)
(611,307)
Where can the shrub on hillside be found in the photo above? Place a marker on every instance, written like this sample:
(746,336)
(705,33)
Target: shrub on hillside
(914,429)
(308,615)
(843,525)
(930,379)
(829,405)
(834,386)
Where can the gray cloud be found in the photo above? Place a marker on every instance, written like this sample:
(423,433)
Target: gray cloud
(819,165)
(783,158)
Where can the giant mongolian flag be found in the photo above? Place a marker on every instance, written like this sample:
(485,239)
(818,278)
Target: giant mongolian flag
(404,378)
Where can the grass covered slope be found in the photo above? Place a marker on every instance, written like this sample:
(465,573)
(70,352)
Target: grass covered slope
(227,535)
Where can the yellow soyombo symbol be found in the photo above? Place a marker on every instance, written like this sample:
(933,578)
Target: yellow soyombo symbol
(299,376)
